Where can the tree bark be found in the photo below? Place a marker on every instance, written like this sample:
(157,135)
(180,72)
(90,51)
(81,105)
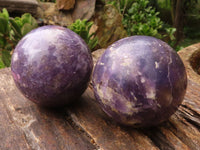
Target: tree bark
(179,20)
(173,7)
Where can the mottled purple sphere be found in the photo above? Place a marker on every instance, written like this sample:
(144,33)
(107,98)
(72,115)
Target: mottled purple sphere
(51,66)
(139,81)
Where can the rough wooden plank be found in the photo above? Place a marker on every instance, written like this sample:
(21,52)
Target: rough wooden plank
(8,131)
(23,125)
(27,126)
(180,132)
(177,133)
(106,134)
(21,6)
(190,55)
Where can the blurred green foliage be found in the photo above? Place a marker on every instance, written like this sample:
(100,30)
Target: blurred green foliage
(82,28)
(11,31)
(139,18)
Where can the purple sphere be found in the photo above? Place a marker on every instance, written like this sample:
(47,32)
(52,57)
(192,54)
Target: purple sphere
(139,81)
(51,66)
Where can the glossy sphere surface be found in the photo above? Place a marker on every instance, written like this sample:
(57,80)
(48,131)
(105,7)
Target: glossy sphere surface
(51,66)
(139,81)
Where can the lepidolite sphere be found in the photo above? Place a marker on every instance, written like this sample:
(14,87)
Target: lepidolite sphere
(51,66)
(139,81)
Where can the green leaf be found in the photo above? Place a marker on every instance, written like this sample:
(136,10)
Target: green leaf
(82,28)
(3,26)
(84,35)
(26,28)
(15,27)
(1,63)
(26,18)
(89,25)
(18,20)
(5,13)
(2,42)
(91,35)
(14,37)
(6,57)
(131,11)
(92,43)
(170,32)
(34,23)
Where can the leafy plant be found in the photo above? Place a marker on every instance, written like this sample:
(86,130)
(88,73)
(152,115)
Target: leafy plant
(82,28)
(21,26)
(11,31)
(139,18)
(4,29)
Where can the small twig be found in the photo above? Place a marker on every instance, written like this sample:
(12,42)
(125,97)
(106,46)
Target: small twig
(126,1)
(119,5)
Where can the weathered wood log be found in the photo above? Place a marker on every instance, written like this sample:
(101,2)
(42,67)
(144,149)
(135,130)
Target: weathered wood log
(191,56)
(83,125)
(23,125)
(19,6)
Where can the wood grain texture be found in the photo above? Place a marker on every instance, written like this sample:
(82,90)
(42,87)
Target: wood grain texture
(20,6)
(24,125)
(84,126)
(190,55)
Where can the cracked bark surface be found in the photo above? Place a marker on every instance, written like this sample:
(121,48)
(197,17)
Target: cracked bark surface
(24,125)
